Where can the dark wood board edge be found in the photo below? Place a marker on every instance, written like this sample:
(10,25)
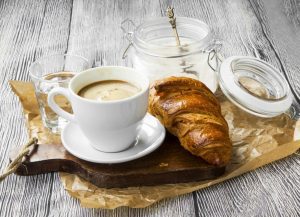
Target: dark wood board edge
(116,181)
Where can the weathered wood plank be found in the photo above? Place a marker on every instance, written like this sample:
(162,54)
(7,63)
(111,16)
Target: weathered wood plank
(269,191)
(280,21)
(28,30)
(244,28)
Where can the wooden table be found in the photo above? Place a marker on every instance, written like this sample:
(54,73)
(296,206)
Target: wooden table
(266,29)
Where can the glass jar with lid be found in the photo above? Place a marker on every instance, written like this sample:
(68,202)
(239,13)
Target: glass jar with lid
(153,49)
(250,83)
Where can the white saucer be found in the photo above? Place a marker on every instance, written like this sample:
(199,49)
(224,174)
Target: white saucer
(150,137)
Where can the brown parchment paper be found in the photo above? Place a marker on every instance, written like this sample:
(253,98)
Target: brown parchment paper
(256,142)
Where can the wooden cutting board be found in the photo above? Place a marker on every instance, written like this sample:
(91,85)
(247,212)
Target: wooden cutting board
(170,163)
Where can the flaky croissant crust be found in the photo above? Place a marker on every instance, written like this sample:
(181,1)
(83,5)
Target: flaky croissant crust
(190,111)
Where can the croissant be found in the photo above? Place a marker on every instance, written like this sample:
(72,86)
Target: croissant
(190,111)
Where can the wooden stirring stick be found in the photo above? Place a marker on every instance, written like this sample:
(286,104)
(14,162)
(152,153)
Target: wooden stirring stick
(170,14)
(172,21)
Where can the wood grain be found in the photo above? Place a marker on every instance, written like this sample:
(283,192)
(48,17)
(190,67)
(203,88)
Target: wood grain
(169,164)
(245,30)
(268,29)
(26,30)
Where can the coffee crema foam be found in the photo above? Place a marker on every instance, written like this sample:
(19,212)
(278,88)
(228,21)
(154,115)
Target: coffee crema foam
(108,90)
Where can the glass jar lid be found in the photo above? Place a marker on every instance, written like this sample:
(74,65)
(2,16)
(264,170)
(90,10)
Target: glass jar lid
(156,37)
(255,86)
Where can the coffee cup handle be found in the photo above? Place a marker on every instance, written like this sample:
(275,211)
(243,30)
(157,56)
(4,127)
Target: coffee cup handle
(55,107)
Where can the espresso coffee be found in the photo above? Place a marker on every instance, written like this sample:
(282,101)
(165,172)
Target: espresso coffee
(108,90)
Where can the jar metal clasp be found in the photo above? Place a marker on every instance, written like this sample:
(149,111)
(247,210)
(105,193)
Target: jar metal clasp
(214,59)
(128,27)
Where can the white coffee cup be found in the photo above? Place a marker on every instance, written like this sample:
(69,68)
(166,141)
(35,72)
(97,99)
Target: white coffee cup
(110,126)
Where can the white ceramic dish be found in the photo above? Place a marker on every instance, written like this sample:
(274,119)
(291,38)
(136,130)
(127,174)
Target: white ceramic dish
(150,137)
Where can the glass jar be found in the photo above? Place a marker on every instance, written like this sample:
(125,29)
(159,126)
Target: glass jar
(156,53)
(250,83)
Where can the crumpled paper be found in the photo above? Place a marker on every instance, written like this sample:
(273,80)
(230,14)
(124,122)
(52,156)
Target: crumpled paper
(256,142)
